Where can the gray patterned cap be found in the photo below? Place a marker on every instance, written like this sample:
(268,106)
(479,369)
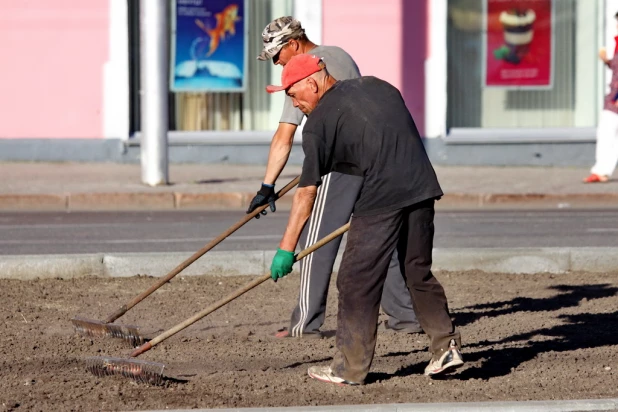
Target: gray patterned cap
(277,34)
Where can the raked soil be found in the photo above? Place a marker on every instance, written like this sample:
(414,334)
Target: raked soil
(525,337)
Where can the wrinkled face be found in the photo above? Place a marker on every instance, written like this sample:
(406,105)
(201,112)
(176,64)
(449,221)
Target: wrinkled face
(286,53)
(304,95)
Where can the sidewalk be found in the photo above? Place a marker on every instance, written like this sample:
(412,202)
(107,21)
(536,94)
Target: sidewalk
(107,186)
(577,405)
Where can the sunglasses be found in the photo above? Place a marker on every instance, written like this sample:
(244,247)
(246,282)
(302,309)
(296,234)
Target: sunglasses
(276,56)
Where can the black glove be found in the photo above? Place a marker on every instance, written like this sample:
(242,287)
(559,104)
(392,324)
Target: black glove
(266,195)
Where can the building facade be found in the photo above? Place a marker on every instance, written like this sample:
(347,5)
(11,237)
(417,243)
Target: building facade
(70,91)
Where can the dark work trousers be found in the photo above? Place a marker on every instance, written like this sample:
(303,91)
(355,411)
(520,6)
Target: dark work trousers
(371,242)
(332,209)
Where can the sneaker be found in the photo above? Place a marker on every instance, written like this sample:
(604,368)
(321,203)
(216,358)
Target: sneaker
(449,360)
(285,333)
(325,374)
(594,178)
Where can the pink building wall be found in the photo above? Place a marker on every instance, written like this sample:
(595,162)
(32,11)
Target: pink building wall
(51,78)
(388,39)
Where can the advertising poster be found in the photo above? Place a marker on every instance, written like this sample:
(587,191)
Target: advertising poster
(518,43)
(209,46)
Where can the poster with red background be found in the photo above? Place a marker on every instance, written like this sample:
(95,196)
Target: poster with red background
(518,44)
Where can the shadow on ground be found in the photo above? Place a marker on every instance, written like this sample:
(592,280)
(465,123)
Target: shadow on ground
(579,331)
(569,296)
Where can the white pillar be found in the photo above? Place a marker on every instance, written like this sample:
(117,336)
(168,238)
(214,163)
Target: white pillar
(116,74)
(436,70)
(611,8)
(586,62)
(310,15)
(154,87)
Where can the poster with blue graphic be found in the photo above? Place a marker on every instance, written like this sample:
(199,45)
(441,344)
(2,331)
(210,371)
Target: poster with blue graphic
(209,46)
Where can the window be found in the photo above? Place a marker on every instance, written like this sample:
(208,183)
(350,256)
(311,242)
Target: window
(572,100)
(253,110)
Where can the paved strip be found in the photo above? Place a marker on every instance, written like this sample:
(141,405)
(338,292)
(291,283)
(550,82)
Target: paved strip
(153,200)
(45,233)
(203,240)
(524,406)
(236,263)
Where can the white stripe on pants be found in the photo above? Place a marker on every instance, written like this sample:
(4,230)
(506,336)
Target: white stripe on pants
(312,237)
(607,144)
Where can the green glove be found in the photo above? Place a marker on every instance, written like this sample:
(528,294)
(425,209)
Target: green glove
(282,264)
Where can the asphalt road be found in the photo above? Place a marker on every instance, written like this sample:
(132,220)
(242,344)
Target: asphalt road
(179,231)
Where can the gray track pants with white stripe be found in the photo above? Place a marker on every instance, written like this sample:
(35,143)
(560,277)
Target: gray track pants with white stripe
(332,209)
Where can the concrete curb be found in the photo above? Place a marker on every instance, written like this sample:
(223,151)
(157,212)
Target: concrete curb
(158,200)
(253,263)
(27,267)
(525,406)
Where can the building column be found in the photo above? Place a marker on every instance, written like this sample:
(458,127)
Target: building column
(436,70)
(154,61)
(116,74)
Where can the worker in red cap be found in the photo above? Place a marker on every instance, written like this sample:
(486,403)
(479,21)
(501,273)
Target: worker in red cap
(362,128)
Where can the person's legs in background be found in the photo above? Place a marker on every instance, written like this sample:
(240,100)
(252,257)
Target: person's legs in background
(606,148)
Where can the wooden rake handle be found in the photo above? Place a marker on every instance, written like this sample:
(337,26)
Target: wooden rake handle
(239,292)
(123,309)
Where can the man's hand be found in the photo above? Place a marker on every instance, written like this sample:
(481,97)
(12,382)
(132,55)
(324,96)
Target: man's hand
(266,195)
(282,264)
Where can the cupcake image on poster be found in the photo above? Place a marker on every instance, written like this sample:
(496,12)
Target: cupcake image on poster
(518,26)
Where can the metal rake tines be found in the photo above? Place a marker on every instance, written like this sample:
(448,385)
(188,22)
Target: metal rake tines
(95,328)
(138,370)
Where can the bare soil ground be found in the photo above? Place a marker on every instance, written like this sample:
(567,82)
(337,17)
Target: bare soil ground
(526,337)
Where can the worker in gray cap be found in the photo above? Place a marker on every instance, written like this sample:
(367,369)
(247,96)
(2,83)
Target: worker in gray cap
(283,39)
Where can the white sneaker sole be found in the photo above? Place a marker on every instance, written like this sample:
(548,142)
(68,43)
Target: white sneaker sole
(456,363)
(327,379)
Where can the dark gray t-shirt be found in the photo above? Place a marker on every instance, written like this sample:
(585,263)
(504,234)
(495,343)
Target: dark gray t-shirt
(362,127)
(339,64)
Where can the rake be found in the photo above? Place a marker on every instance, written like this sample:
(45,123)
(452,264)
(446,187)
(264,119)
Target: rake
(152,372)
(131,333)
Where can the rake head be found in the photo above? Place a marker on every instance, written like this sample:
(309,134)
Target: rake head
(138,370)
(95,328)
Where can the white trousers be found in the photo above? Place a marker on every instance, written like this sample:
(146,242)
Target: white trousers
(607,144)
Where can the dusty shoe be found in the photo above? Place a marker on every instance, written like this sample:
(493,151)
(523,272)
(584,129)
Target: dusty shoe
(449,360)
(325,374)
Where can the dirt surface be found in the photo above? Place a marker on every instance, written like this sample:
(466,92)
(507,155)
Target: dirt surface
(526,337)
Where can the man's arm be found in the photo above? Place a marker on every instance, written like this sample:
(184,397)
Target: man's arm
(280,149)
(302,205)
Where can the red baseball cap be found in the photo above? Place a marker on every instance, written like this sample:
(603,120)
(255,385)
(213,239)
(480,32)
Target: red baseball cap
(298,68)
